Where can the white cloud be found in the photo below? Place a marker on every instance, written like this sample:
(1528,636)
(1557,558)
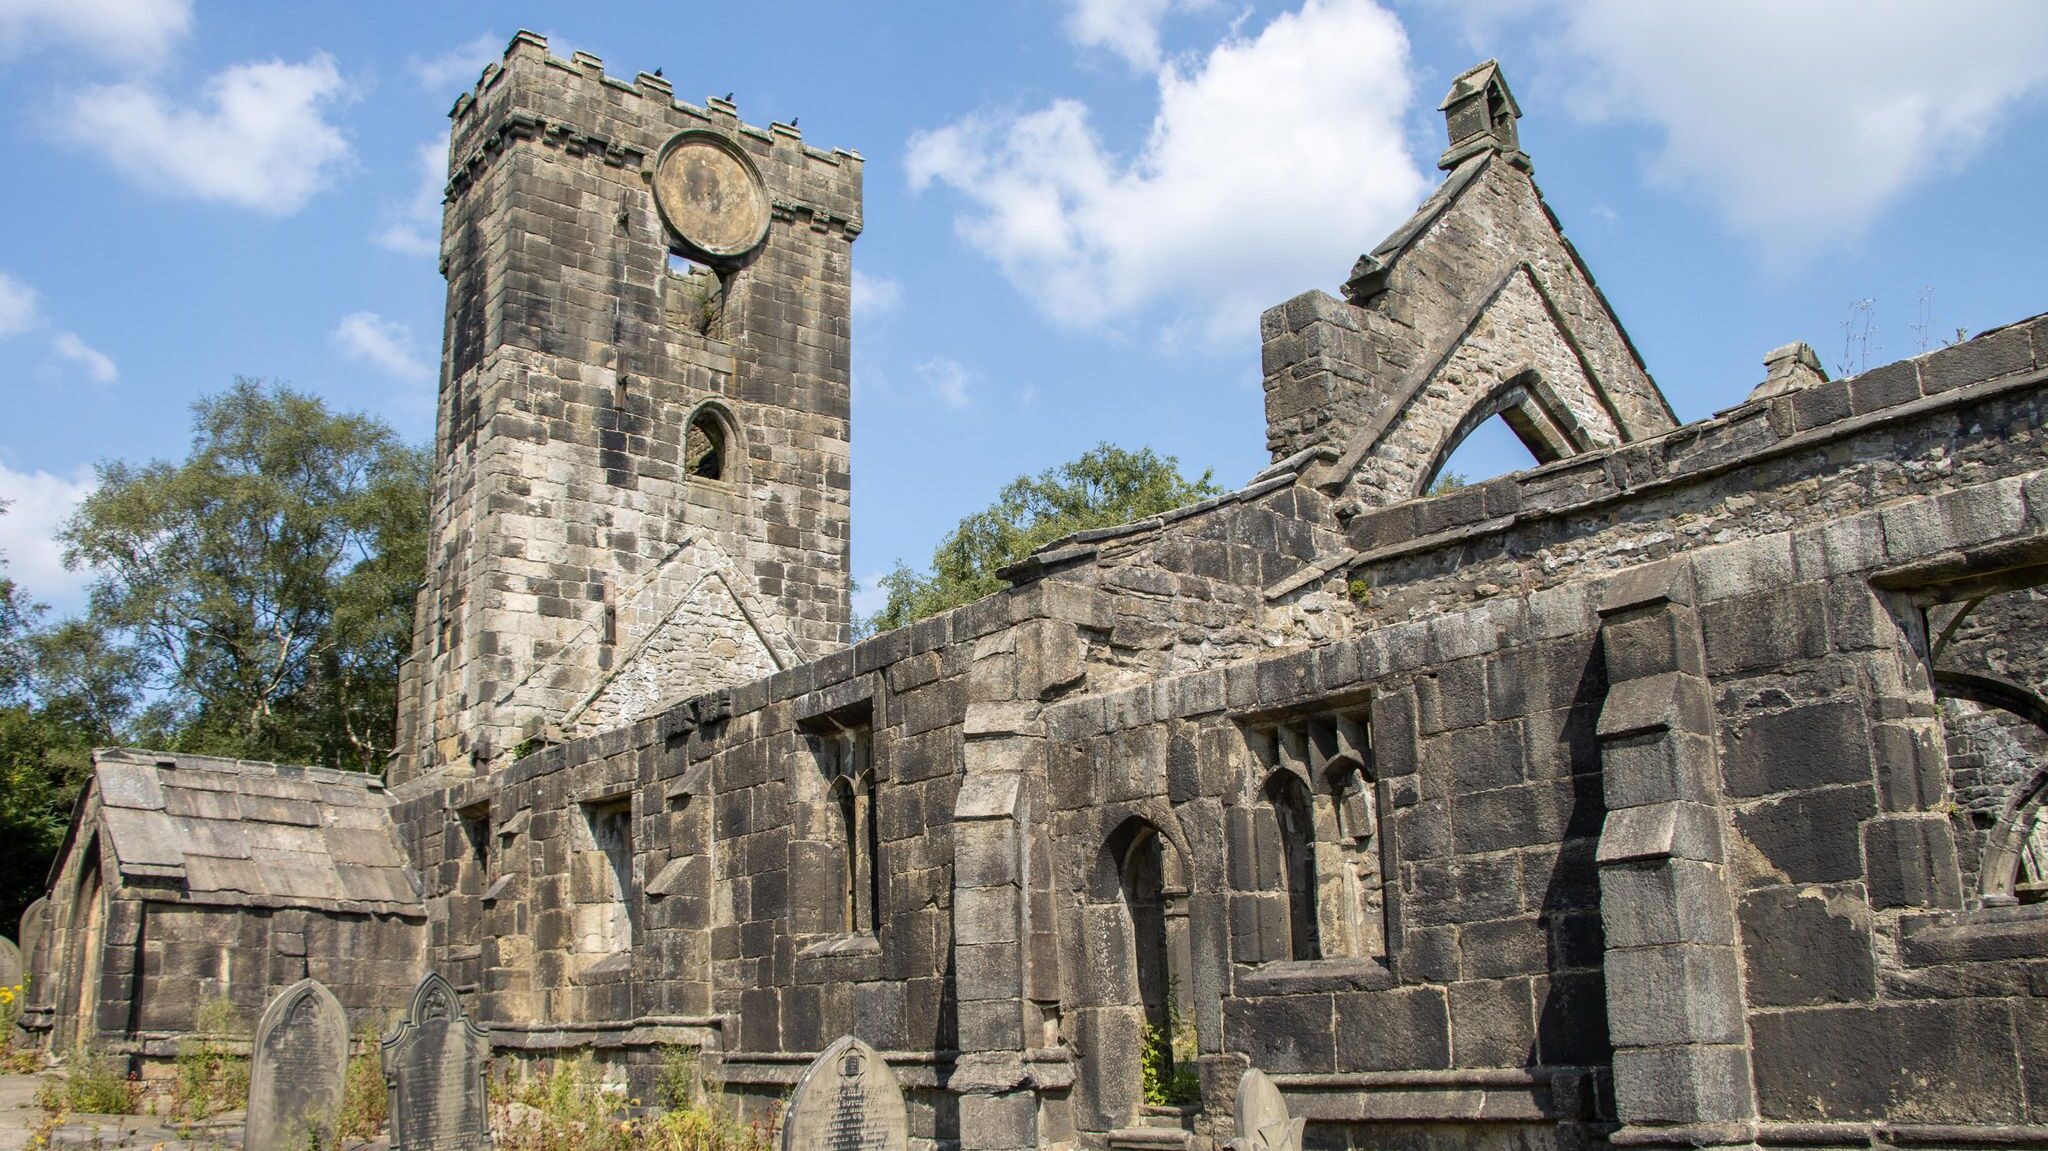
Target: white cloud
(1798,124)
(414,228)
(38,503)
(874,296)
(947,379)
(381,343)
(1271,163)
(461,64)
(128,31)
(261,139)
(99,367)
(18,312)
(1129,28)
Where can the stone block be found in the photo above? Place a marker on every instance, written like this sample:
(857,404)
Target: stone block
(1888,386)
(1672,994)
(1744,568)
(1283,1033)
(1517,817)
(1492,1024)
(1795,750)
(1501,948)
(1926,1060)
(1667,902)
(1661,831)
(1663,1086)
(1810,837)
(1912,862)
(1640,644)
(1765,628)
(1452,697)
(1400,1029)
(1571,1020)
(1658,768)
(1476,758)
(1987,357)
(1805,946)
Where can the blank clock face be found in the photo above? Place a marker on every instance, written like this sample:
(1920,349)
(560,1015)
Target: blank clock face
(710,195)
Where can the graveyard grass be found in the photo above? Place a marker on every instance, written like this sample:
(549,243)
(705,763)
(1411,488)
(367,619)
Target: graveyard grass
(17,1056)
(365,1102)
(93,1085)
(567,1107)
(212,1074)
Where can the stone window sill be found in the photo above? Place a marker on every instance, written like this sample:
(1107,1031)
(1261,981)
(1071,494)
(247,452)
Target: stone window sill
(858,943)
(1307,976)
(613,968)
(1978,935)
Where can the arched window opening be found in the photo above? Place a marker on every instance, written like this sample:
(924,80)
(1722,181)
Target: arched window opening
(1491,449)
(1293,813)
(1318,848)
(704,446)
(856,830)
(1981,638)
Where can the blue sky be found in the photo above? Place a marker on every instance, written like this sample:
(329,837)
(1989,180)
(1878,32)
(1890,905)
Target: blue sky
(1075,208)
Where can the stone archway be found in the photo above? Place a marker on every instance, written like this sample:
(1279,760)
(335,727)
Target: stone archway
(1136,913)
(84,955)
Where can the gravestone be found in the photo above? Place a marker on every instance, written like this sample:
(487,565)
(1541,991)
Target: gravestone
(435,1066)
(847,1100)
(297,1061)
(35,927)
(10,963)
(1262,1122)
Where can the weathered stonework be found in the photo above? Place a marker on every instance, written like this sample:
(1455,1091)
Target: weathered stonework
(1679,791)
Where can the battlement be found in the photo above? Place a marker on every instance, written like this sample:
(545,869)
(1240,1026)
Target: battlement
(473,113)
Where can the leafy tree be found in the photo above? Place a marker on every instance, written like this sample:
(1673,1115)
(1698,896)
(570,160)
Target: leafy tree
(1106,486)
(262,589)
(46,737)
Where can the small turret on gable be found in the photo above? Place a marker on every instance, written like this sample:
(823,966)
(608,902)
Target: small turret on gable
(1480,113)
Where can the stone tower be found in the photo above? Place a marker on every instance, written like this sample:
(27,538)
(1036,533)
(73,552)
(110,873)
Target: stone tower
(641,465)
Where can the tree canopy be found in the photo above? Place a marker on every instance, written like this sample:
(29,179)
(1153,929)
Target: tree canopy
(1106,486)
(261,590)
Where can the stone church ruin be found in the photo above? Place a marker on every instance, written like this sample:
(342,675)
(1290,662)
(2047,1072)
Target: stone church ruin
(1679,791)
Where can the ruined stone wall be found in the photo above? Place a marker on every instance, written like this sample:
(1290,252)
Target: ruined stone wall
(1333,369)
(583,575)
(1659,829)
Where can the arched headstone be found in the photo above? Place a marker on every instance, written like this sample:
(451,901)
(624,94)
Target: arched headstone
(435,1066)
(35,928)
(847,1100)
(1262,1122)
(298,1060)
(10,963)
(35,965)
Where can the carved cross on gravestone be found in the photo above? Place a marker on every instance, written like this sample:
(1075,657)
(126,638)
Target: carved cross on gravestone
(435,1066)
(1262,1122)
(847,1100)
(298,1060)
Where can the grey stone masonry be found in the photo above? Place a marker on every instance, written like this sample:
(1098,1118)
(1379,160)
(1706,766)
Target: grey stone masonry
(1681,791)
(641,483)
(1675,1004)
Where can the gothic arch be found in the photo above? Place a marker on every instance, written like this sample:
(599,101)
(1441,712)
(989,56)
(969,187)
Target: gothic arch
(711,430)
(1530,409)
(1513,354)
(1998,869)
